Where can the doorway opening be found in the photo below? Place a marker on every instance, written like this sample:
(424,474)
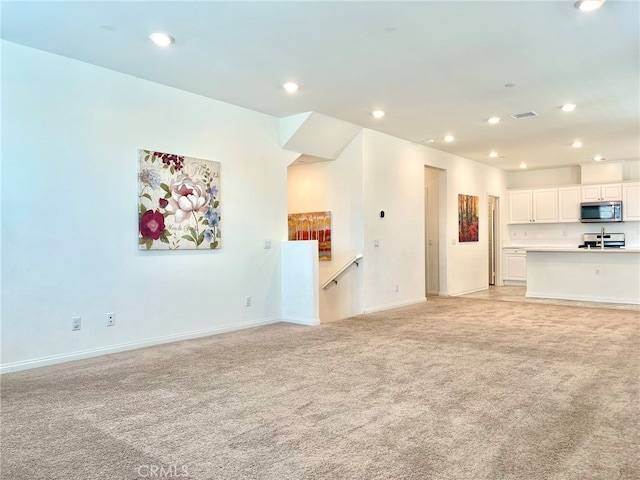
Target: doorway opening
(492,228)
(434,188)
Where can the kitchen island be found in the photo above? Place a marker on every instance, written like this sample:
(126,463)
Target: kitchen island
(597,275)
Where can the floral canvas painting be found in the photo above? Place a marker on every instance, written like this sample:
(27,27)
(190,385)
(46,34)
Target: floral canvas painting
(468,206)
(178,202)
(312,226)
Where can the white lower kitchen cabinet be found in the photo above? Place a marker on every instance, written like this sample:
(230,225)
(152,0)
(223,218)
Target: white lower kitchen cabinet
(514,266)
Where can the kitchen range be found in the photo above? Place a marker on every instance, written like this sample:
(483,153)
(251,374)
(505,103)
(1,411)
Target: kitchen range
(602,240)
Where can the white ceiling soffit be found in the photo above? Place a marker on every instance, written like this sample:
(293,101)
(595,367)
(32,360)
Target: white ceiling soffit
(315,134)
(304,159)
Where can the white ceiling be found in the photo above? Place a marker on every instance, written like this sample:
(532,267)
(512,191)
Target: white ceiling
(434,67)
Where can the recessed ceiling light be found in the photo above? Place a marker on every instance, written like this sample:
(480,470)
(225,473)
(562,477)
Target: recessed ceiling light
(576,144)
(568,107)
(523,165)
(162,39)
(493,154)
(291,87)
(449,138)
(494,120)
(598,158)
(588,5)
(509,85)
(430,140)
(378,113)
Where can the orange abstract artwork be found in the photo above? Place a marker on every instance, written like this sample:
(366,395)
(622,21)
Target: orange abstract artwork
(312,226)
(468,218)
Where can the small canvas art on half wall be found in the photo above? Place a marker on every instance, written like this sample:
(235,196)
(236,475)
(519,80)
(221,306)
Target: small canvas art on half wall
(178,202)
(312,226)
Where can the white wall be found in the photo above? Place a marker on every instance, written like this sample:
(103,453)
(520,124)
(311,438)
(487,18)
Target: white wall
(463,266)
(631,170)
(379,172)
(553,177)
(300,285)
(70,132)
(394,183)
(335,186)
(550,177)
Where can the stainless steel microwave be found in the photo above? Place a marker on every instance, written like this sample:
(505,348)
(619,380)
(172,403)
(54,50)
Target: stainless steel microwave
(595,212)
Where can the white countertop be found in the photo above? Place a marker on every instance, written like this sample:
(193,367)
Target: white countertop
(578,250)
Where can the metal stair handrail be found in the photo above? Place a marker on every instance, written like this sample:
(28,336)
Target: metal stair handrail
(334,278)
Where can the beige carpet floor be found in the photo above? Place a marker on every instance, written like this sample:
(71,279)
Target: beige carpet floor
(454,389)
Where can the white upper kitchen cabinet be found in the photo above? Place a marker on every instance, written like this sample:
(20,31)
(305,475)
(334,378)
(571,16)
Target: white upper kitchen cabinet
(520,203)
(601,193)
(537,205)
(569,204)
(631,202)
(545,205)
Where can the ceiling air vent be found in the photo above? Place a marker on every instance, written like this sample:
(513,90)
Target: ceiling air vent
(518,116)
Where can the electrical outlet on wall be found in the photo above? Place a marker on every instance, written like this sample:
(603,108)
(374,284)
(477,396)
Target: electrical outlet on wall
(76,323)
(111,319)
(247,301)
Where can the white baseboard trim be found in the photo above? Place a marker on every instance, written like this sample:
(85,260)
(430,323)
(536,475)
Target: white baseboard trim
(390,306)
(515,283)
(302,321)
(469,291)
(96,352)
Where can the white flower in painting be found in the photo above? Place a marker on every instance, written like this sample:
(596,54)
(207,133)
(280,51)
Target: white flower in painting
(150,177)
(187,196)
